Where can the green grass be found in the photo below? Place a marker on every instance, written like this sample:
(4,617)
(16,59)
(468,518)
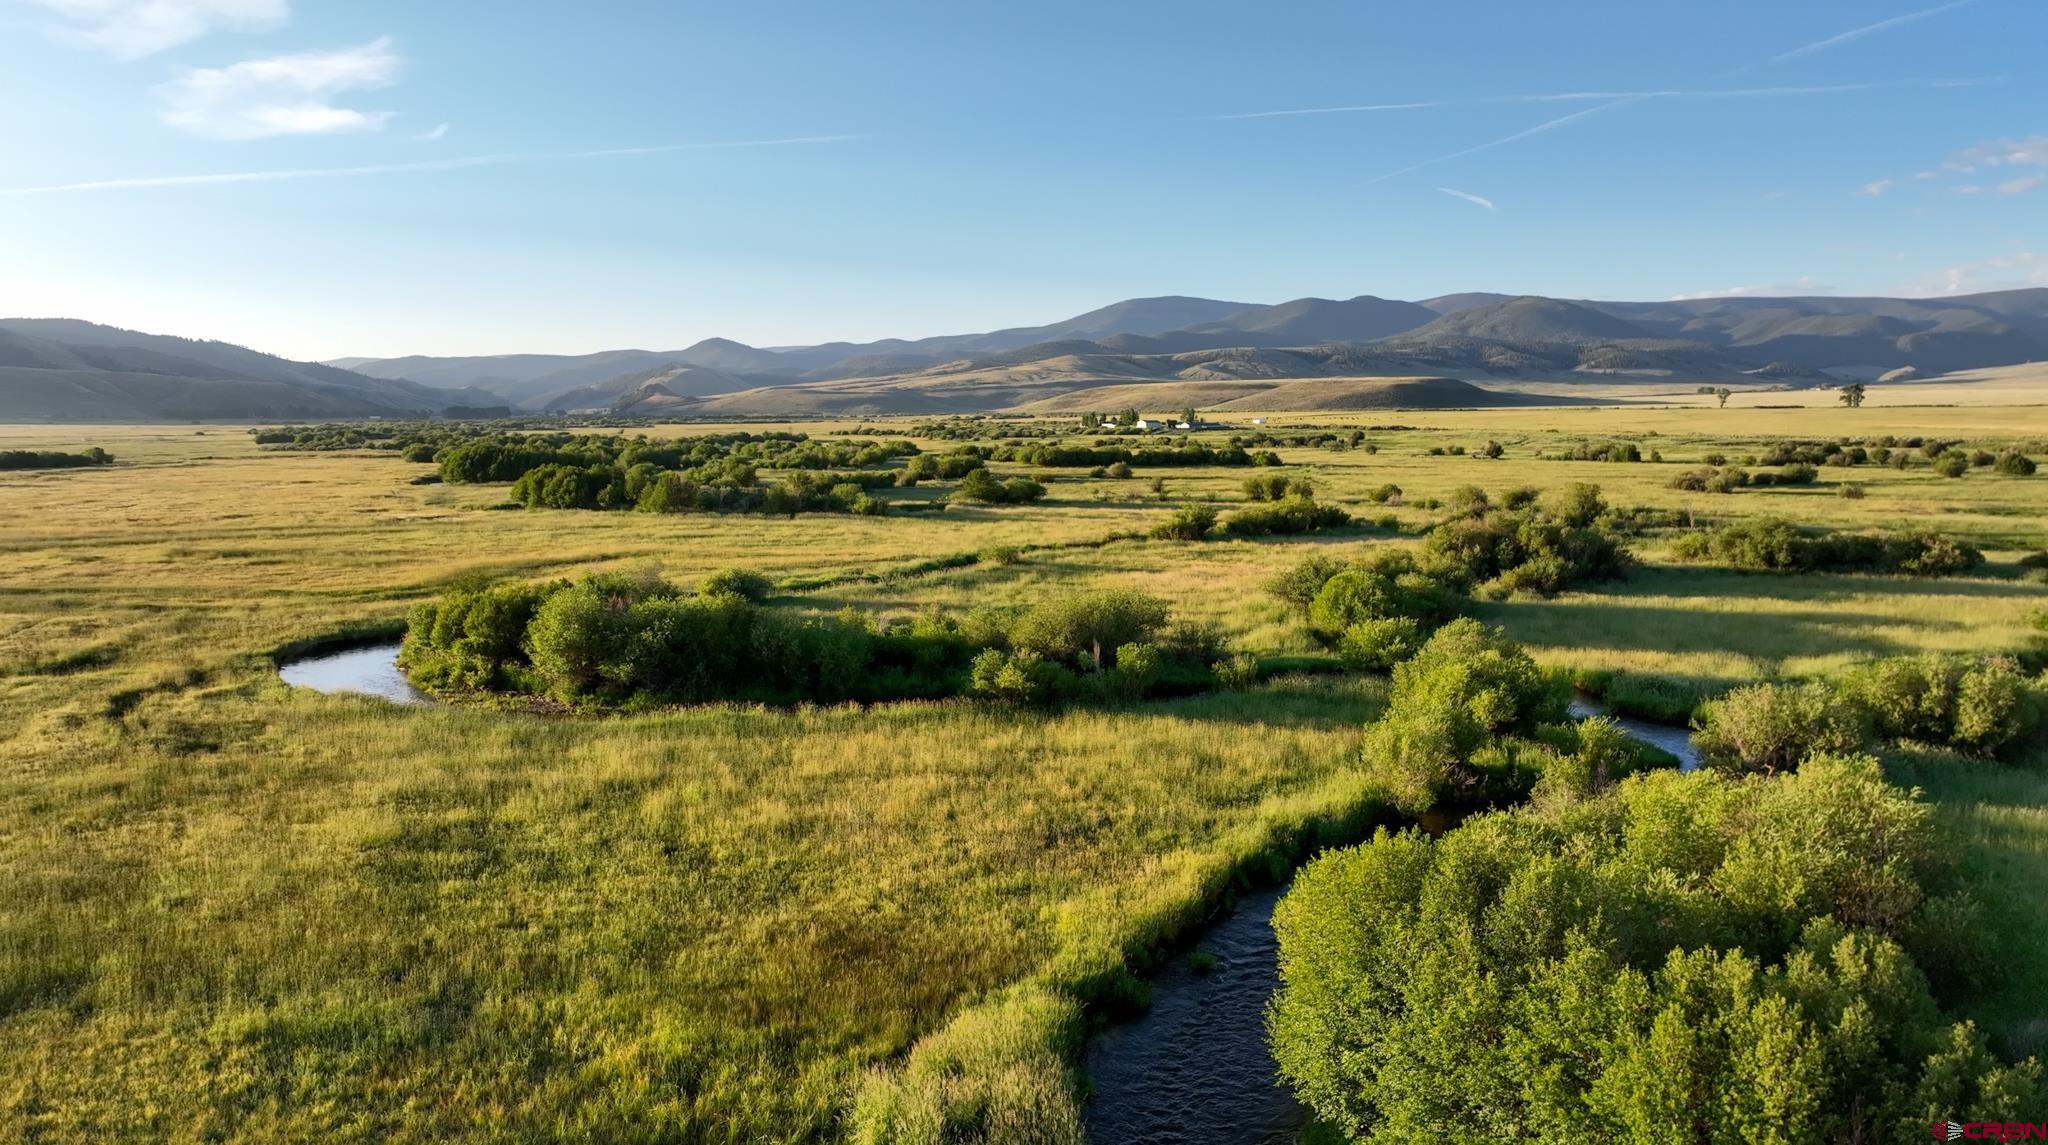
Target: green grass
(234,911)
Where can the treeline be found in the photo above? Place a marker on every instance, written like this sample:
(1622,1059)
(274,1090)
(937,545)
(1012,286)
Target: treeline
(626,640)
(402,435)
(1054,456)
(1776,545)
(54,459)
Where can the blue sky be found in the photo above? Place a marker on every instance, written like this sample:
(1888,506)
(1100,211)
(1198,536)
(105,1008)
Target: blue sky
(564,177)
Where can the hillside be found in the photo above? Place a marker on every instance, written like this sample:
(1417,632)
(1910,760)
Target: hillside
(667,383)
(67,370)
(1291,395)
(1477,333)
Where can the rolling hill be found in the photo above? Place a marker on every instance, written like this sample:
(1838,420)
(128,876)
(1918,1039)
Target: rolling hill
(55,369)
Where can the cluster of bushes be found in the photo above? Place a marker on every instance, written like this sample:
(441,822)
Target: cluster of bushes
(652,490)
(1353,439)
(1979,705)
(1712,480)
(634,640)
(980,427)
(983,487)
(53,459)
(427,436)
(1543,547)
(1472,720)
(1776,545)
(1681,957)
(1293,514)
(1619,451)
(1110,644)
(1277,486)
(1053,456)
(950,466)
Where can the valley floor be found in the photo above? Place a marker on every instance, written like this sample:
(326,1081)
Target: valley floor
(235,910)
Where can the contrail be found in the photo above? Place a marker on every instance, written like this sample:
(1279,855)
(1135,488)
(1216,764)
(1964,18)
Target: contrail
(1575,97)
(453,164)
(1547,125)
(1866,30)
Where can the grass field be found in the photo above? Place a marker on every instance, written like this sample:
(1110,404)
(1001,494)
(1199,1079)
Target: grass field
(233,910)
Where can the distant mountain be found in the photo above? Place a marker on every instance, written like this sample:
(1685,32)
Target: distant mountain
(58,369)
(1452,303)
(1933,335)
(1528,320)
(622,394)
(1306,321)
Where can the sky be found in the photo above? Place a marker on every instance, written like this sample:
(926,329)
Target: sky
(321,178)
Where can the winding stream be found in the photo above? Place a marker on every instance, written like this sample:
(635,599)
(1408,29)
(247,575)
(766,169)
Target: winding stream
(1195,1068)
(368,671)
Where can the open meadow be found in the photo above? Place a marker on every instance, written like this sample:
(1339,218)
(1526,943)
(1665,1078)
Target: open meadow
(235,910)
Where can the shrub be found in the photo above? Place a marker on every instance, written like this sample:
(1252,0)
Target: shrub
(1769,728)
(1952,465)
(979,485)
(1290,516)
(1188,523)
(1299,583)
(1119,470)
(1504,552)
(2014,464)
(1084,630)
(743,583)
(1466,685)
(1851,491)
(1237,672)
(1385,494)
(1382,588)
(1377,645)
(1469,500)
(1578,504)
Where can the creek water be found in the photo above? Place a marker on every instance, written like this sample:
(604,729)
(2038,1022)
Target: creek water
(368,671)
(1195,1067)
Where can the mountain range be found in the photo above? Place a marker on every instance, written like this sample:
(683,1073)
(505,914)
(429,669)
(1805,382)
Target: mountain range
(59,369)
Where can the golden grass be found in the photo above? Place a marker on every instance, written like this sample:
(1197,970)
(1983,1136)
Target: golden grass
(235,910)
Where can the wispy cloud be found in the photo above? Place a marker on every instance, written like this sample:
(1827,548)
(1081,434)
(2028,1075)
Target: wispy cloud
(455,164)
(2022,184)
(281,95)
(1564,97)
(1877,187)
(132,29)
(2005,272)
(435,134)
(1469,197)
(1854,34)
(1803,285)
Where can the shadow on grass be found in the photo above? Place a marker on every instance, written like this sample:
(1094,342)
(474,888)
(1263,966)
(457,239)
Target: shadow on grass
(1603,623)
(1716,581)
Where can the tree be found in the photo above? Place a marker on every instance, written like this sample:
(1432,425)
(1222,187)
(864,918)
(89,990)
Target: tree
(1187,416)
(1127,417)
(1722,395)
(1852,395)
